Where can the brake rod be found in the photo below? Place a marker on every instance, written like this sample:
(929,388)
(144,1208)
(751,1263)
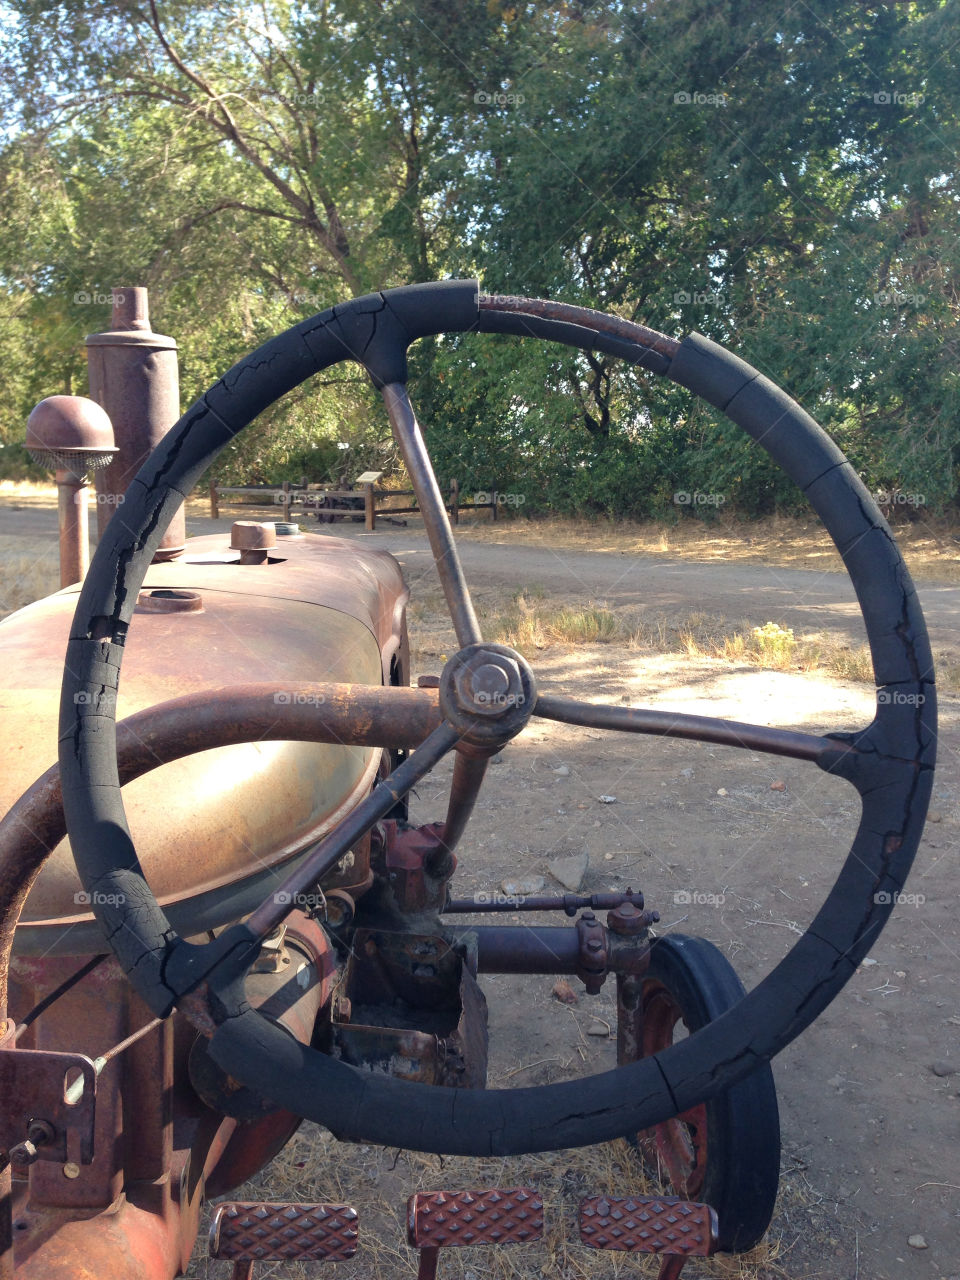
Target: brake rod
(569,903)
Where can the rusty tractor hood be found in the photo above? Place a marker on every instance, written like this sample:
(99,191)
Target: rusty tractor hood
(321,609)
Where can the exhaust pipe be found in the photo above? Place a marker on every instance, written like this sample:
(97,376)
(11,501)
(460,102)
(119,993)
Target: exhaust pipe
(134,376)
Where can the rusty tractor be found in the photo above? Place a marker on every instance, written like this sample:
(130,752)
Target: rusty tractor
(215,916)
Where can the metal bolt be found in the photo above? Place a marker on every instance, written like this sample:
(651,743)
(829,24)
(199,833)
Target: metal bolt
(39,1133)
(490,683)
(483,683)
(628,919)
(71,1170)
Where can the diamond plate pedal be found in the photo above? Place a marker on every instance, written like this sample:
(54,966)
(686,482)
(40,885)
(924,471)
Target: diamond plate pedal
(674,1229)
(248,1232)
(451,1219)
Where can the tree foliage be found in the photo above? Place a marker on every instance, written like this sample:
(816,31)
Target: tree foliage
(784,182)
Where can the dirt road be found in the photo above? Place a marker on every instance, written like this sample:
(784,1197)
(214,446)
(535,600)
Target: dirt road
(809,600)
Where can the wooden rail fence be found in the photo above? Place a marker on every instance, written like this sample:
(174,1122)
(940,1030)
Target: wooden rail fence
(339,504)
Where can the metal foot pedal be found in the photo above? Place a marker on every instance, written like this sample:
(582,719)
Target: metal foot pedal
(451,1219)
(249,1232)
(674,1229)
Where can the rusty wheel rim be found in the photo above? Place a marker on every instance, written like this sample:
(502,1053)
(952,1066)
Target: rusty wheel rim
(677,1147)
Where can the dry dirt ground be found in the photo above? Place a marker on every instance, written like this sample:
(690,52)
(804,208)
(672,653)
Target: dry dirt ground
(869,1095)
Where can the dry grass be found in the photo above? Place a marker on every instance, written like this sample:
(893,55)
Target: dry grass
(315,1167)
(931,547)
(26,576)
(529,623)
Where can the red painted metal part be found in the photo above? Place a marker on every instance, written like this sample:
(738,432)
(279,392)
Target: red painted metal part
(134,1211)
(417,863)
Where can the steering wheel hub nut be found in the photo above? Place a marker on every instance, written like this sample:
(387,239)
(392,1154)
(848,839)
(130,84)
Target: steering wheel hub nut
(487,692)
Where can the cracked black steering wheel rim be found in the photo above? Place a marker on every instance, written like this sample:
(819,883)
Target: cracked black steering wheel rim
(890,763)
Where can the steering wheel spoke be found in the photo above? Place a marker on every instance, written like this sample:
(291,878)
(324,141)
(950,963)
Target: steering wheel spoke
(409,438)
(676,724)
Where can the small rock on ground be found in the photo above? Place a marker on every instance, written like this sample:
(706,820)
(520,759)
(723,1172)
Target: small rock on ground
(570,871)
(522,888)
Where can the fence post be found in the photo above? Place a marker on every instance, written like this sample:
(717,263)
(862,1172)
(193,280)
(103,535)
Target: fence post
(369,508)
(493,503)
(214,504)
(285,500)
(455,501)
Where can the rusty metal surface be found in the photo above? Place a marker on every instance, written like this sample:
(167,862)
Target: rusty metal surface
(75,431)
(566,313)
(533,949)
(291,991)
(464,1064)
(73,527)
(116,1244)
(77,1223)
(678,1146)
(147,1109)
(90,1019)
(252,1146)
(260,1232)
(408,1006)
(133,374)
(553,949)
(468,774)
(252,535)
(367,714)
(324,856)
(147,1232)
(629,1018)
(449,1219)
(32,1089)
(592,960)
(417,864)
(163,600)
(648,1224)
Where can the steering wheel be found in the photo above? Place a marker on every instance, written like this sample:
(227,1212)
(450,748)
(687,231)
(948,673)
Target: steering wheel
(487,694)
